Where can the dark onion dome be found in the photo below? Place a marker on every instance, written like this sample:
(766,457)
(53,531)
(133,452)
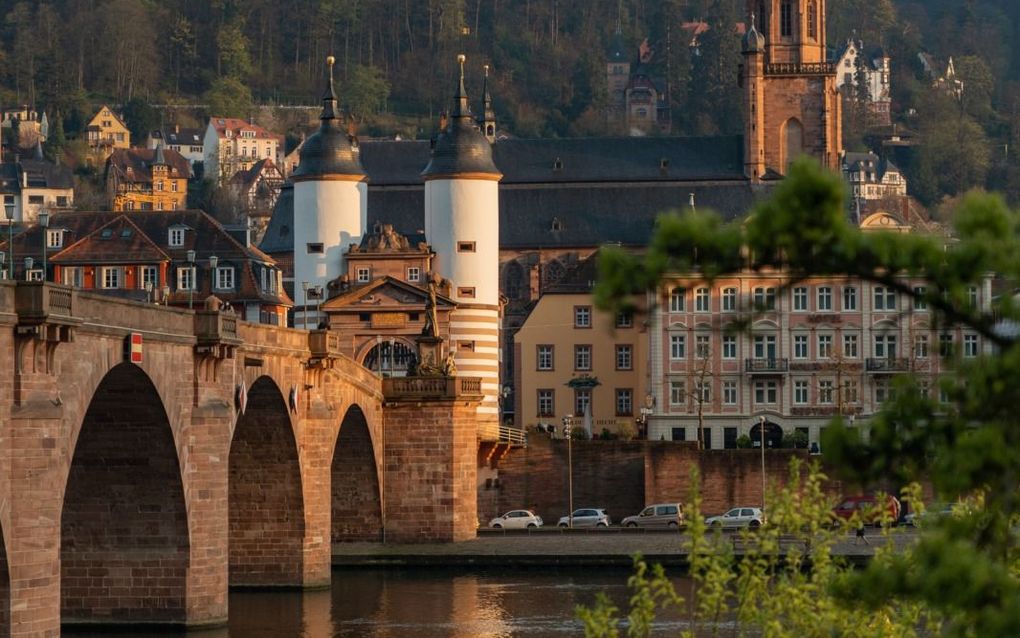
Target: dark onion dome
(461,148)
(331,150)
(753,41)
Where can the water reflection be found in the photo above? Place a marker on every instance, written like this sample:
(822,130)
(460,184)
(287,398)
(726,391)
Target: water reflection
(425,604)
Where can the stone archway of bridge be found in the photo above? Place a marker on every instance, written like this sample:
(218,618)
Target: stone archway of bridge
(355,492)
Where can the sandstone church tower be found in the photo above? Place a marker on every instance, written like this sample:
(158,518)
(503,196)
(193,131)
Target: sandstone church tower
(330,203)
(790,94)
(462,226)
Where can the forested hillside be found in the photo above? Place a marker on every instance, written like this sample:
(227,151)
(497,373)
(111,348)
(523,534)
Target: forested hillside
(396,62)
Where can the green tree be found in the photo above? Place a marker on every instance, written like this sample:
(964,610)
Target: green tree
(367,90)
(228,97)
(57,140)
(232,57)
(140,118)
(962,573)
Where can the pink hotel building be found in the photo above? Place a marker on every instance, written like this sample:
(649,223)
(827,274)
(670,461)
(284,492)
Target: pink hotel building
(823,347)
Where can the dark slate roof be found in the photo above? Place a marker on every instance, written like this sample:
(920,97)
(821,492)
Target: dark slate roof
(9,178)
(579,278)
(659,159)
(461,148)
(117,241)
(331,150)
(44,174)
(141,160)
(180,136)
(279,235)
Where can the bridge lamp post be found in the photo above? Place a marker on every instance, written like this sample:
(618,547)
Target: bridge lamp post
(44,223)
(304,305)
(213,262)
(148,292)
(393,363)
(9,213)
(166,295)
(191,279)
(570,472)
(28,267)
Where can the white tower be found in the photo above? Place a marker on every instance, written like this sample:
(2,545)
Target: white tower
(462,225)
(330,206)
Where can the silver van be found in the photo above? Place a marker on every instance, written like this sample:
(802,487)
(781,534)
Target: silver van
(659,515)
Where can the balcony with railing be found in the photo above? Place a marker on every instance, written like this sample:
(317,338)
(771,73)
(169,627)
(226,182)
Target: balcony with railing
(418,388)
(800,68)
(887,364)
(772,365)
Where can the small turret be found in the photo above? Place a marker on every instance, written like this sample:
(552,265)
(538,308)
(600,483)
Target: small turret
(753,41)
(488,120)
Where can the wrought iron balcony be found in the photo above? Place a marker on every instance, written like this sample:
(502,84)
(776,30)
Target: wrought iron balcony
(773,365)
(886,364)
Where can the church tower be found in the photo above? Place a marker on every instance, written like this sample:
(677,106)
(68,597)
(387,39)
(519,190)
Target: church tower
(330,204)
(789,87)
(487,122)
(462,226)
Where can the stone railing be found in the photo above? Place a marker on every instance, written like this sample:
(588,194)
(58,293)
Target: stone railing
(416,388)
(767,366)
(324,344)
(37,301)
(800,68)
(216,333)
(886,364)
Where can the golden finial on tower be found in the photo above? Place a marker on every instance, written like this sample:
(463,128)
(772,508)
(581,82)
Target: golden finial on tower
(486,67)
(330,60)
(461,59)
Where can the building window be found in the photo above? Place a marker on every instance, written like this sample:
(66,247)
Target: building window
(677,434)
(849,391)
(176,237)
(970,346)
(676,299)
(159,185)
(582,316)
(582,401)
(729,299)
(150,275)
(677,347)
(111,277)
(765,298)
(921,346)
(766,392)
(363,275)
(624,319)
(36,200)
(729,347)
(545,357)
(70,276)
(729,392)
(185,278)
(920,303)
(972,296)
(315,248)
(800,298)
(825,298)
(825,391)
(466,292)
(703,346)
(702,300)
(850,346)
(946,345)
(54,238)
(800,348)
(885,298)
(703,391)
(883,390)
(824,346)
(624,357)
(62,201)
(885,346)
(624,402)
(786,19)
(414,274)
(582,357)
(800,392)
(545,402)
(224,278)
(765,347)
(677,393)
(812,18)
(729,435)
(465,246)
(173,186)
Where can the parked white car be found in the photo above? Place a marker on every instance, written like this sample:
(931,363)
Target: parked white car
(737,517)
(587,517)
(516,519)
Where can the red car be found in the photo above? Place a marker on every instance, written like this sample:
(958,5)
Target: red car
(868,506)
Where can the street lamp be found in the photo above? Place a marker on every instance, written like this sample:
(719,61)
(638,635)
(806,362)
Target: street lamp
(504,393)
(148,292)
(392,363)
(213,262)
(3,266)
(646,412)
(570,472)
(44,223)
(191,279)
(9,213)
(28,267)
(304,305)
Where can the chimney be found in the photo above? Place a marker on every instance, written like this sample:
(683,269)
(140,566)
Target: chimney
(177,128)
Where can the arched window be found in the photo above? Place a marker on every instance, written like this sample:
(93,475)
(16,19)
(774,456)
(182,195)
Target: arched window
(513,280)
(793,140)
(763,21)
(786,18)
(554,271)
(812,20)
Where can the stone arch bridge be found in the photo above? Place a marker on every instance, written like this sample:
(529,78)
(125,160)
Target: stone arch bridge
(151,458)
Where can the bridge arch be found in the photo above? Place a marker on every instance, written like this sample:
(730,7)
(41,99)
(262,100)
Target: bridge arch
(267,516)
(124,522)
(356,502)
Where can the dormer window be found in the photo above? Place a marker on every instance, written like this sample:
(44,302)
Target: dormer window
(176,237)
(557,225)
(557,164)
(54,238)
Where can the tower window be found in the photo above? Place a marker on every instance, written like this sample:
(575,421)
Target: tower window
(465,246)
(466,293)
(812,20)
(786,19)
(315,249)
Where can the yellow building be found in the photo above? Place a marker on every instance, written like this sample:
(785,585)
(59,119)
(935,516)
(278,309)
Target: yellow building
(571,357)
(147,179)
(106,132)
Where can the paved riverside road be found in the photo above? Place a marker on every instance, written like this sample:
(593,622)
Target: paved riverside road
(549,547)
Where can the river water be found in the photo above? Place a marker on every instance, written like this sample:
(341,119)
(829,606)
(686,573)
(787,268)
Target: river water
(427,604)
